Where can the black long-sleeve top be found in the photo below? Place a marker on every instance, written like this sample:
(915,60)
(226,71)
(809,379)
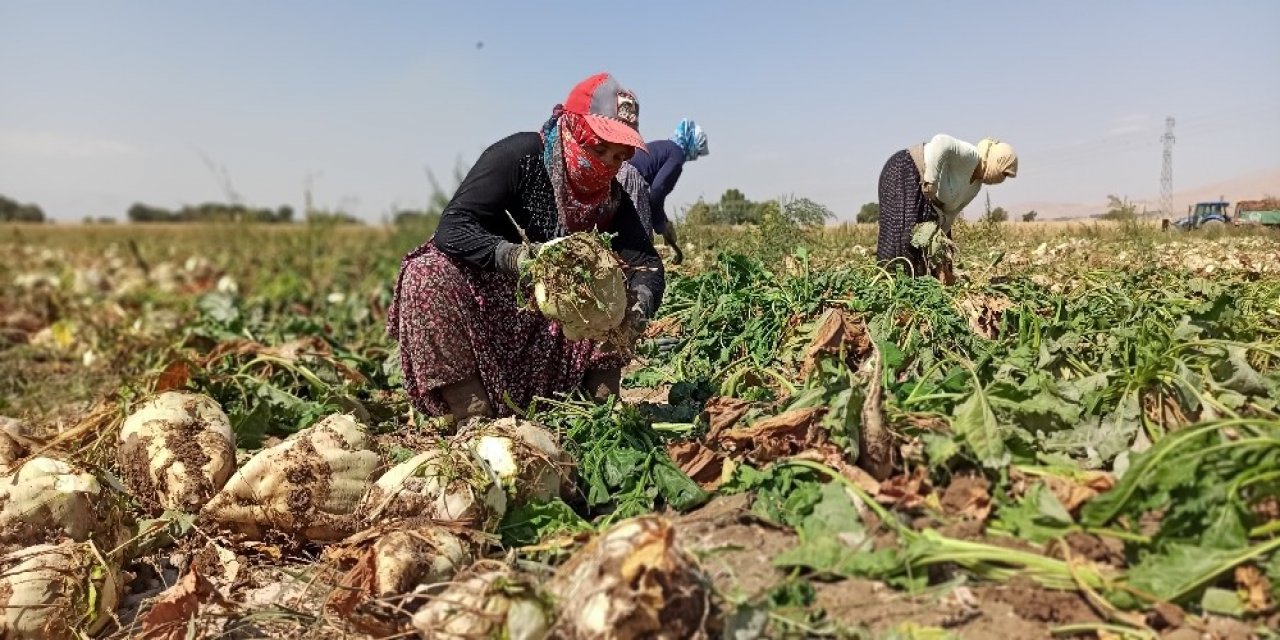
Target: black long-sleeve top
(661,166)
(510,178)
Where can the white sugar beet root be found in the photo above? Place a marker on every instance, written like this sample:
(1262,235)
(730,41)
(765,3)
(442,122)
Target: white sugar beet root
(407,559)
(308,485)
(489,600)
(526,458)
(631,582)
(56,592)
(448,484)
(177,450)
(579,283)
(48,500)
(398,566)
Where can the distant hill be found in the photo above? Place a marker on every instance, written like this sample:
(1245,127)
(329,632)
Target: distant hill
(1250,187)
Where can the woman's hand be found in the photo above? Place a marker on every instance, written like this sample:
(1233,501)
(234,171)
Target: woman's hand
(636,321)
(930,191)
(511,257)
(669,237)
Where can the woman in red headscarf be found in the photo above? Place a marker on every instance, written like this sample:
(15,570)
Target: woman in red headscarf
(466,347)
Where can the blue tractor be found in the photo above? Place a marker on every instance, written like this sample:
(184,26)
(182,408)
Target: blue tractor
(1205,215)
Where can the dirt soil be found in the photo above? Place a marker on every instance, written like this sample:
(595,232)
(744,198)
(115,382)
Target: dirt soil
(736,548)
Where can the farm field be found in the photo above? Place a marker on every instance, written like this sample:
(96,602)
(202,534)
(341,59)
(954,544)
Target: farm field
(1080,439)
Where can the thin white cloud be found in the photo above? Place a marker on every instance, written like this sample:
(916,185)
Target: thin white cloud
(46,144)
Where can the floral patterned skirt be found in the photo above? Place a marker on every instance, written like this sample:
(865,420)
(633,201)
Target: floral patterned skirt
(454,321)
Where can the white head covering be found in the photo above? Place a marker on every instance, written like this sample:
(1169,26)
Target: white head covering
(999,161)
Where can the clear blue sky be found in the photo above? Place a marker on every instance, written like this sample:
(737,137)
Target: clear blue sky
(107,103)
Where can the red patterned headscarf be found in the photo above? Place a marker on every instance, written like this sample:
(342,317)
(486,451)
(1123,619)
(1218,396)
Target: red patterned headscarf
(583,183)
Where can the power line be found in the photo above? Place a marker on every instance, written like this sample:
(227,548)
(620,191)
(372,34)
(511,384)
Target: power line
(1137,140)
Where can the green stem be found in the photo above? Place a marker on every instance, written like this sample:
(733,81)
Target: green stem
(1205,579)
(911,400)
(1176,440)
(1271,528)
(1114,533)
(1246,480)
(911,397)
(673,427)
(1232,444)
(884,515)
(1094,627)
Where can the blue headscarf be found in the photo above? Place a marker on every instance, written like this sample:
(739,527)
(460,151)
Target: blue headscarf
(690,138)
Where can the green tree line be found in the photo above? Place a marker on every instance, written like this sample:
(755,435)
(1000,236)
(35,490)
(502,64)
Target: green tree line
(210,212)
(13,211)
(734,208)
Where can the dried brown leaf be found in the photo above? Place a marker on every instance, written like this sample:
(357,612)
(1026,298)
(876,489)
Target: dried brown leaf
(968,497)
(665,326)
(1164,410)
(837,330)
(704,466)
(1256,587)
(174,376)
(775,437)
(985,313)
(359,584)
(905,491)
(170,616)
(723,413)
(1073,494)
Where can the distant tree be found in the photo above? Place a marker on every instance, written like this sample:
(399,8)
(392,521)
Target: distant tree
(209,212)
(735,208)
(323,217)
(806,212)
(700,213)
(139,212)
(996,215)
(767,212)
(14,211)
(732,208)
(870,212)
(1030,216)
(1120,209)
